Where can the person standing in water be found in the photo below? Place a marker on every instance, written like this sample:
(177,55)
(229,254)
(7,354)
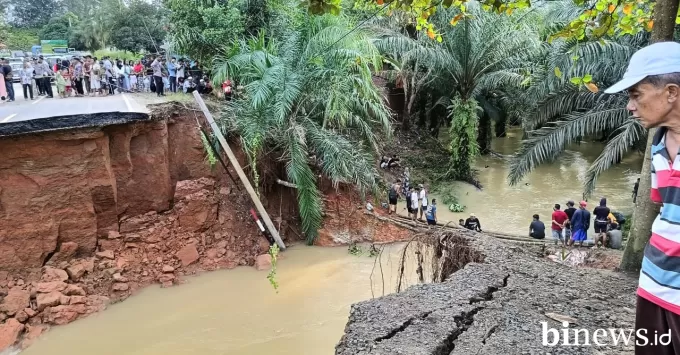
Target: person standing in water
(580,222)
(635,190)
(601,213)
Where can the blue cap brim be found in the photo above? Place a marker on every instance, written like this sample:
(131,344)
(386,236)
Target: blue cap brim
(624,84)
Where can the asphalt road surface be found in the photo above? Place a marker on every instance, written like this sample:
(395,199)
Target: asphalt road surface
(41,106)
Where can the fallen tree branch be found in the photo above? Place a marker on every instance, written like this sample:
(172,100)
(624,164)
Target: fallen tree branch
(286,183)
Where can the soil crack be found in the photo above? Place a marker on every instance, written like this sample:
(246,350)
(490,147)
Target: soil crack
(464,321)
(403,326)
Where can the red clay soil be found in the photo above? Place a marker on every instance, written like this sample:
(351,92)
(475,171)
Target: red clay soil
(345,221)
(89,216)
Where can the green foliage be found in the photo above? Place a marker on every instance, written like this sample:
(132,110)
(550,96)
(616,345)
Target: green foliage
(140,27)
(56,28)
(562,111)
(309,97)
(355,249)
(200,28)
(32,14)
(274,253)
(463,133)
(121,55)
(18,38)
(456,207)
(210,156)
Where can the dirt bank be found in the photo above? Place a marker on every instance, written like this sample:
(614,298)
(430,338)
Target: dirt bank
(494,307)
(95,207)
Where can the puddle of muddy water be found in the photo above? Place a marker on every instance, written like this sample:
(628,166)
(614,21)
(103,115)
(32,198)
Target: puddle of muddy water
(235,312)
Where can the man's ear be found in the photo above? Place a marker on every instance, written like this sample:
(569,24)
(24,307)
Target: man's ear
(673,92)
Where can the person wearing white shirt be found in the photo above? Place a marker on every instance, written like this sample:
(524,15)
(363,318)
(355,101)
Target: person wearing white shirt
(26,75)
(423,201)
(415,202)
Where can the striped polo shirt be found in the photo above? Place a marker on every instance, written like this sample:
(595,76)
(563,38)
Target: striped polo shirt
(660,274)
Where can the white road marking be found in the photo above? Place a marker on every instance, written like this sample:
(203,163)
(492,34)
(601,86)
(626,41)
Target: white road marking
(127,103)
(8,118)
(38,100)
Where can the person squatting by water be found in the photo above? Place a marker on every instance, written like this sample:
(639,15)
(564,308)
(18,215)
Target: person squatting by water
(537,228)
(652,81)
(472,223)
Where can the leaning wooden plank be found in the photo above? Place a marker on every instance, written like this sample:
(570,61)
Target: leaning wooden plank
(240,172)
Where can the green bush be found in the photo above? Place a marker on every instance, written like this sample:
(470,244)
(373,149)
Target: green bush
(117,54)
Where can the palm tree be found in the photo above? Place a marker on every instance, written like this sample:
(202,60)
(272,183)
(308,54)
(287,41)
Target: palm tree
(563,112)
(482,54)
(310,97)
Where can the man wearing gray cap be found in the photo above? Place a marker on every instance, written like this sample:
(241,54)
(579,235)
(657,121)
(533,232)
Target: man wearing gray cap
(653,84)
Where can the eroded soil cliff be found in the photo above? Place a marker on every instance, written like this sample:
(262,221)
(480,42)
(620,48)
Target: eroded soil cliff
(496,307)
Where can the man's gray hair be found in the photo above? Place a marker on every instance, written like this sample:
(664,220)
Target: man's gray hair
(663,79)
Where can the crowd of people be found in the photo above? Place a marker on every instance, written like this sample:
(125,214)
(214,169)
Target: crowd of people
(91,76)
(570,226)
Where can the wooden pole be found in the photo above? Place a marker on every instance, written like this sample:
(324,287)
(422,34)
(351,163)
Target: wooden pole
(239,171)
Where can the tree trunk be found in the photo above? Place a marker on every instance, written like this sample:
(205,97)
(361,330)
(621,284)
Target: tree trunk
(501,124)
(484,134)
(665,12)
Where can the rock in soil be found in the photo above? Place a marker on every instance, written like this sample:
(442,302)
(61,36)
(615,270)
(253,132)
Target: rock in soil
(263,262)
(9,333)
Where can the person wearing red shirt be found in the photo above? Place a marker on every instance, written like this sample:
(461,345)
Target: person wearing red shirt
(559,219)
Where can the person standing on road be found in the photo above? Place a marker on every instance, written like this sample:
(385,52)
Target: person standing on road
(172,74)
(9,84)
(43,74)
(38,80)
(157,67)
(95,77)
(78,76)
(108,70)
(652,82)
(26,75)
(87,74)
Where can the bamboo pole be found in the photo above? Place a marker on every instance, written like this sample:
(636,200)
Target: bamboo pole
(240,172)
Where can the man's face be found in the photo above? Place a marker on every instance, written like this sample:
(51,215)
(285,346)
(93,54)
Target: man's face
(651,104)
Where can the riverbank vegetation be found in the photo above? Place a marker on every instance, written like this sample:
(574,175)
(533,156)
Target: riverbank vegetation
(323,87)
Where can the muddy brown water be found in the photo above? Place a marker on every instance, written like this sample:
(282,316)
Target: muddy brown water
(509,209)
(235,312)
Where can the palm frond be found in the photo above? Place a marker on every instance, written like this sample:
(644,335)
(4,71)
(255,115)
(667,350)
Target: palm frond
(626,136)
